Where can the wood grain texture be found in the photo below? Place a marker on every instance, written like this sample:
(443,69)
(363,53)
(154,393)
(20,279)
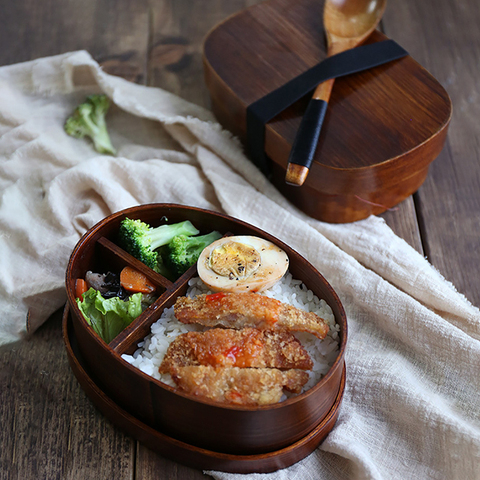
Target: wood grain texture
(178,30)
(50,429)
(154,467)
(443,36)
(345,29)
(113,32)
(402,220)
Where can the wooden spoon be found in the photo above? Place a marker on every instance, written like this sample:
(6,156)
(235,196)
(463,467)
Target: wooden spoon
(347,24)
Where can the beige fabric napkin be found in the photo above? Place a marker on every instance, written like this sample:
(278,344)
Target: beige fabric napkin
(411,405)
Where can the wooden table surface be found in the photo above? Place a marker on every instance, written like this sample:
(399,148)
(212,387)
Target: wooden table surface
(49,428)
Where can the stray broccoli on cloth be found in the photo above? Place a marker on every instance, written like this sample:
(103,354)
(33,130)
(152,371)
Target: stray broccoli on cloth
(88,119)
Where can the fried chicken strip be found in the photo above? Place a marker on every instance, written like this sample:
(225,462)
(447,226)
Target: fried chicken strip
(239,310)
(241,386)
(248,347)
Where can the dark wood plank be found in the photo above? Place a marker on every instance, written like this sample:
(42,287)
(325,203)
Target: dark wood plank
(154,467)
(175,64)
(114,32)
(179,27)
(50,429)
(402,220)
(442,35)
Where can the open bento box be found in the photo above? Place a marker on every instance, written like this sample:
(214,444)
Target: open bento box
(199,432)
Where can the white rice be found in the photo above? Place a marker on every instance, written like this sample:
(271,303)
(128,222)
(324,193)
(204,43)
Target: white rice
(151,351)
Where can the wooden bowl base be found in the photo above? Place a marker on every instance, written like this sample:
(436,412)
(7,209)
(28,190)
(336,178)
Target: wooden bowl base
(180,451)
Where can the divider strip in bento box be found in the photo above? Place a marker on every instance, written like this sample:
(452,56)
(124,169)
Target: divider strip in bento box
(140,327)
(105,261)
(126,341)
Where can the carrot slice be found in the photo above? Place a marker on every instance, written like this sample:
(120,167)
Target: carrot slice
(135,281)
(80,287)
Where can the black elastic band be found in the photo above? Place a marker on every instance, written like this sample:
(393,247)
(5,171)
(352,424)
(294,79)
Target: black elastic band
(352,61)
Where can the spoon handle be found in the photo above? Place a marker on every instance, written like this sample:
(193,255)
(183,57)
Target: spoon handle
(305,144)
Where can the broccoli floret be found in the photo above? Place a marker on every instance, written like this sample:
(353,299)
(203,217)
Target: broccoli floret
(183,252)
(141,240)
(88,119)
(161,268)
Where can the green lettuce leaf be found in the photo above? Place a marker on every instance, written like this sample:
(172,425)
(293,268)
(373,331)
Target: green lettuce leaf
(109,316)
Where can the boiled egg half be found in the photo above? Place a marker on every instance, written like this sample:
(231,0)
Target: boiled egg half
(241,264)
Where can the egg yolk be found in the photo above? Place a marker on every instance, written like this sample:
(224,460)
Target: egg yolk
(234,260)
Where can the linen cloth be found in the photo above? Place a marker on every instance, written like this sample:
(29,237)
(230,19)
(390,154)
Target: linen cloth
(411,404)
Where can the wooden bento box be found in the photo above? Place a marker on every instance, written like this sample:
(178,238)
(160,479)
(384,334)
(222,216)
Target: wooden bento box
(200,433)
(383,126)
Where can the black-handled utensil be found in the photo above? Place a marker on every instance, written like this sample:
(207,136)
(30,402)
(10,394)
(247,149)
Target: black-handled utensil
(347,24)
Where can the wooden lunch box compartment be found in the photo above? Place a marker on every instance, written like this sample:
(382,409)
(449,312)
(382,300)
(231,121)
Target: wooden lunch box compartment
(198,432)
(383,127)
